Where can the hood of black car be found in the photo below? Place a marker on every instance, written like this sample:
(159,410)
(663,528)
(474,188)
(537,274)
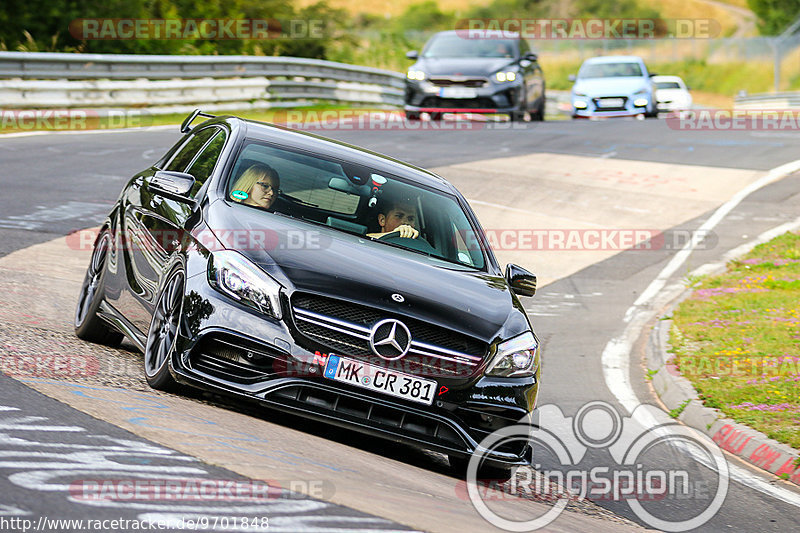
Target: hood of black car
(458,66)
(317,259)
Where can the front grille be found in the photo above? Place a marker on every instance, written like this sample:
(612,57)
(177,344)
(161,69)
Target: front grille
(344,328)
(457,103)
(233,359)
(598,103)
(360,410)
(459,82)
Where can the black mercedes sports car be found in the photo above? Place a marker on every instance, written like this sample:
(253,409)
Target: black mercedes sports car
(318,278)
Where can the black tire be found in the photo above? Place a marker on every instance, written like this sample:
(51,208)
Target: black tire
(518,115)
(163,332)
(436,116)
(88,326)
(538,115)
(500,474)
(412,115)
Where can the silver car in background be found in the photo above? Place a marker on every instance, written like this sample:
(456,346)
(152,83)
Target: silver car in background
(672,94)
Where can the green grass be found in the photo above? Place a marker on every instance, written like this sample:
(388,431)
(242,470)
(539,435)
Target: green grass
(719,78)
(737,339)
(675,413)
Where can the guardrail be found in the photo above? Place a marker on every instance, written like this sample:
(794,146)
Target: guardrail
(174,83)
(788,100)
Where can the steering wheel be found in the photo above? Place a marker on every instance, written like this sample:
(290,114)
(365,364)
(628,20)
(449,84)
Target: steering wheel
(419,244)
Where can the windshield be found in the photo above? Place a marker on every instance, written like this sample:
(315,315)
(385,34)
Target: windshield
(453,45)
(667,85)
(610,70)
(354,199)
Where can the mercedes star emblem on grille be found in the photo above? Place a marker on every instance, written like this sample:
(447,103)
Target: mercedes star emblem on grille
(398,298)
(390,339)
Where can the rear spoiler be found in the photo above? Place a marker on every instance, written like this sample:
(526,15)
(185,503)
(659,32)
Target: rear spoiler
(186,127)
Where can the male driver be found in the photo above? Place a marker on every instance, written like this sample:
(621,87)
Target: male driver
(397,216)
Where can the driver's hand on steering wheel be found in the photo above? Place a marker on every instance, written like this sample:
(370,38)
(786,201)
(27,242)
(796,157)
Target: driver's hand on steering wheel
(406,231)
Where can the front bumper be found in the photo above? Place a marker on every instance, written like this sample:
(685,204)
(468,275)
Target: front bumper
(228,348)
(673,106)
(588,106)
(490,98)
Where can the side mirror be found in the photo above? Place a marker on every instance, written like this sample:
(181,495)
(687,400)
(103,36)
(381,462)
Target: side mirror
(522,282)
(530,56)
(572,77)
(653,74)
(413,54)
(175,185)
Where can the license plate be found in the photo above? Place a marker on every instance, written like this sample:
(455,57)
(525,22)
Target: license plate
(379,379)
(457,92)
(610,102)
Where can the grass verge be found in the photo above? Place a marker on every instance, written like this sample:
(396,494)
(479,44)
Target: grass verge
(737,339)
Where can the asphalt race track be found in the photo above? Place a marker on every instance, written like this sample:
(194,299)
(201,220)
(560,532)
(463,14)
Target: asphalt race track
(93,417)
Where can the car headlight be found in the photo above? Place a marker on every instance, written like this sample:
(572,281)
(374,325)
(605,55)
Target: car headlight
(508,75)
(515,357)
(415,75)
(236,277)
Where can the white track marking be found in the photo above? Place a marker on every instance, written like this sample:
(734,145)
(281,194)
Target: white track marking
(616,355)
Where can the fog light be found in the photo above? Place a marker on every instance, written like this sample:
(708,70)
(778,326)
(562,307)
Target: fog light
(640,102)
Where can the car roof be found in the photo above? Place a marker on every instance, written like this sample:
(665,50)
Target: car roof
(614,59)
(311,142)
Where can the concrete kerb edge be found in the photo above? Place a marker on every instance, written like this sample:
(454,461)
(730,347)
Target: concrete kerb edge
(677,392)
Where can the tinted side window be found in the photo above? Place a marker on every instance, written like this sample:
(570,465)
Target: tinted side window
(203,165)
(185,155)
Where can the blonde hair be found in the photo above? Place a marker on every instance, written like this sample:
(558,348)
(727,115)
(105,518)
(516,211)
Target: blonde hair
(253,175)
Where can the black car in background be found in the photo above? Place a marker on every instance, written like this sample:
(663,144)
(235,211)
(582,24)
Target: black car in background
(302,303)
(455,73)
